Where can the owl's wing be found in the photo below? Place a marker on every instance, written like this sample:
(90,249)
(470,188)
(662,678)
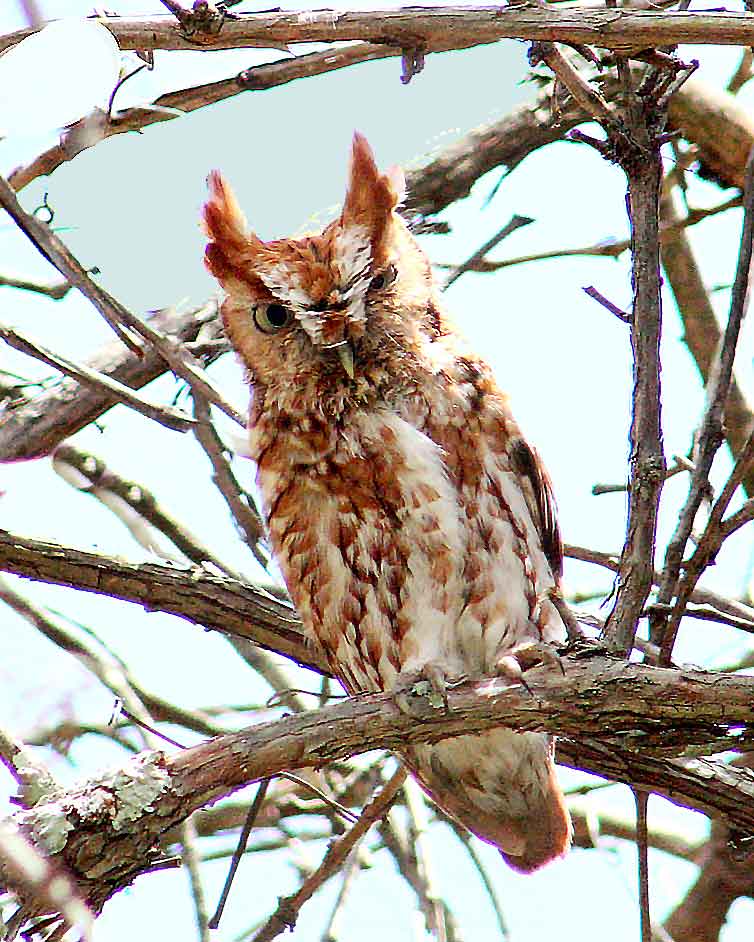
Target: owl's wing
(537,490)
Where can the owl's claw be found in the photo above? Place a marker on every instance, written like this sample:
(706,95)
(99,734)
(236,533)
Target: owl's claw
(523,657)
(429,683)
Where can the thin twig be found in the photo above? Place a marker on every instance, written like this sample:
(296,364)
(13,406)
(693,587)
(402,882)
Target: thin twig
(243,839)
(331,932)
(33,425)
(642,844)
(613,308)
(418,819)
(286,915)
(681,464)
(239,502)
(107,667)
(710,435)
(51,247)
(56,292)
(583,93)
(175,419)
(707,548)
(191,862)
(126,324)
(102,483)
(515,222)
(701,596)
(176,104)
(468,842)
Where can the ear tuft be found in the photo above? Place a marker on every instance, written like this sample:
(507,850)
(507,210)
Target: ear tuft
(230,242)
(371,196)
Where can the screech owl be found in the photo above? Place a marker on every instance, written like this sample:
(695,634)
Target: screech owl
(414,526)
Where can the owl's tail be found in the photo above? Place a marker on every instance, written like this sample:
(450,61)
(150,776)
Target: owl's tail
(501,785)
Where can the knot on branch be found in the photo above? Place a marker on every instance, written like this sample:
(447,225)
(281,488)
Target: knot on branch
(650,471)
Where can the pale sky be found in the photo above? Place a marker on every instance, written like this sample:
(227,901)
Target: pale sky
(130,206)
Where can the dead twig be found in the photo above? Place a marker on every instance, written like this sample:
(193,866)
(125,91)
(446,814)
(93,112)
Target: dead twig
(56,292)
(515,222)
(171,418)
(239,502)
(286,914)
(243,840)
(710,435)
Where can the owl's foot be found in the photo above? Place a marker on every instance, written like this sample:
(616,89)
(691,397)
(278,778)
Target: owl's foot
(523,657)
(429,683)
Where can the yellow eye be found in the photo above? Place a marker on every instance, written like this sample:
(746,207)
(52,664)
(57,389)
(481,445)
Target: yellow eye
(270,318)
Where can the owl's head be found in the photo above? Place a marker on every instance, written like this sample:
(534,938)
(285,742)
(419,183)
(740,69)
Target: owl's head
(333,317)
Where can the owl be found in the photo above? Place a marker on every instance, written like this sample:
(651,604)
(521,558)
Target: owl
(414,526)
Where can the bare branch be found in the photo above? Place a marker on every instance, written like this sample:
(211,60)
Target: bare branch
(286,915)
(707,548)
(95,478)
(51,247)
(202,598)
(191,862)
(639,156)
(34,426)
(438,28)
(175,419)
(710,434)
(605,703)
(56,292)
(514,223)
(239,503)
(587,97)
(611,561)
(127,325)
(176,104)
(642,844)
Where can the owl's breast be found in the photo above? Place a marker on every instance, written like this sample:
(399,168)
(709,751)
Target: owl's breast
(370,540)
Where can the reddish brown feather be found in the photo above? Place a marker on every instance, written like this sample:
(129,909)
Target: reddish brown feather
(359,518)
(371,196)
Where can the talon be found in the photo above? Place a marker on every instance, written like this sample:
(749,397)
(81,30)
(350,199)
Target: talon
(522,658)
(428,684)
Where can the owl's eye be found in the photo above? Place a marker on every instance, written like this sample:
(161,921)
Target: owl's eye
(271,318)
(384,278)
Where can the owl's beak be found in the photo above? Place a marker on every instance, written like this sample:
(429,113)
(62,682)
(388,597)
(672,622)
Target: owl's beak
(345,355)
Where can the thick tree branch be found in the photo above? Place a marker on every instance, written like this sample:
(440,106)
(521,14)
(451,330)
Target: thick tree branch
(107,831)
(434,29)
(204,599)
(234,608)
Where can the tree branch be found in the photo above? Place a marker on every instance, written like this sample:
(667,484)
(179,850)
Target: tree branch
(33,426)
(107,830)
(638,153)
(435,29)
(211,601)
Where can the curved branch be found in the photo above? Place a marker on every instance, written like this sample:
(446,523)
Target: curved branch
(107,830)
(202,598)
